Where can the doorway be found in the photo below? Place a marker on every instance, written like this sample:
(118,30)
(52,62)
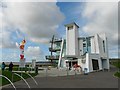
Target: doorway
(95,64)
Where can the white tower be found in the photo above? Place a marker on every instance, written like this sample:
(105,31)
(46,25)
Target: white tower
(72,39)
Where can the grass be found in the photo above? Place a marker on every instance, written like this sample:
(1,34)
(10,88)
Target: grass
(16,68)
(117,74)
(117,64)
(8,74)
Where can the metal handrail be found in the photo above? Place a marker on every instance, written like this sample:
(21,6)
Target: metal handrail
(32,78)
(23,79)
(9,81)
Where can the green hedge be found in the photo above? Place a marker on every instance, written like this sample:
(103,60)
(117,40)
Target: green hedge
(17,69)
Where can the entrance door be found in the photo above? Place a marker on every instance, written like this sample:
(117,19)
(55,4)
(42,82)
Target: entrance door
(74,62)
(95,64)
(104,63)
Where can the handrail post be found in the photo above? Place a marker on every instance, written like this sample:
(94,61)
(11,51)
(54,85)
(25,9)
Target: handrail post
(12,77)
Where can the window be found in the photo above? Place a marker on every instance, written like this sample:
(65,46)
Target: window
(88,41)
(84,39)
(104,45)
(84,45)
(70,27)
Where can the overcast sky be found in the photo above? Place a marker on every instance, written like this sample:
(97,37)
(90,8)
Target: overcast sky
(39,21)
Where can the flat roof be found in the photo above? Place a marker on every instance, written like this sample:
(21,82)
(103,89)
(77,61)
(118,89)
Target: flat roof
(70,24)
(71,57)
(85,37)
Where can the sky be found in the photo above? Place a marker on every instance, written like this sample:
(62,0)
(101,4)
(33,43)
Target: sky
(37,22)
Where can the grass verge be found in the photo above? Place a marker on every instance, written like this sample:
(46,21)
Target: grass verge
(8,74)
(117,74)
(117,64)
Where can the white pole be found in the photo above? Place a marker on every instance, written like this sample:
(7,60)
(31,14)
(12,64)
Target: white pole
(61,51)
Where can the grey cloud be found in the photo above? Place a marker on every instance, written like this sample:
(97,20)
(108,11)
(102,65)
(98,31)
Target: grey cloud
(37,20)
(103,18)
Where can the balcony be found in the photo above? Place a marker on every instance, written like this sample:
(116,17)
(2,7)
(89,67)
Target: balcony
(54,49)
(56,40)
(52,57)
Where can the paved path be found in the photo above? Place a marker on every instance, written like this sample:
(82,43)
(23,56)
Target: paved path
(92,80)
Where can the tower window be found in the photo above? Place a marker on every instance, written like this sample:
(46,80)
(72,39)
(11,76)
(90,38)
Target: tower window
(70,27)
(84,45)
(104,45)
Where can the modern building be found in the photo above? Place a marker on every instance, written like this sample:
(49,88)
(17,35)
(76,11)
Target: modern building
(89,52)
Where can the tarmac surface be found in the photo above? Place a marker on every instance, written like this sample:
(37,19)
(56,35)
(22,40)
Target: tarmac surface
(53,79)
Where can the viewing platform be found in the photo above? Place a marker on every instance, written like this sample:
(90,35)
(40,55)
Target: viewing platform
(52,57)
(54,49)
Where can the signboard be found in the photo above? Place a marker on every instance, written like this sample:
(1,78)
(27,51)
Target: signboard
(22,63)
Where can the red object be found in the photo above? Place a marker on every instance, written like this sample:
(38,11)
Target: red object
(21,56)
(75,66)
(78,65)
(21,46)
(24,41)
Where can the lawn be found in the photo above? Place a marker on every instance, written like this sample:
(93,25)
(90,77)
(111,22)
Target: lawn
(117,74)
(117,64)
(8,74)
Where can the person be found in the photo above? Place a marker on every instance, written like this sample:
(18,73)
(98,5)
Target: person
(76,67)
(10,66)
(3,66)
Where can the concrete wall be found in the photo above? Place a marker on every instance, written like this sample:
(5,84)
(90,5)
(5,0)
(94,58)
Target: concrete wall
(104,54)
(72,41)
(80,47)
(97,47)
(86,64)
(93,45)
(96,57)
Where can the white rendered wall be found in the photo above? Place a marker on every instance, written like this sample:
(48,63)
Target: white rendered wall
(103,54)
(76,40)
(86,64)
(97,44)
(93,45)
(83,65)
(97,47)
(96,57)
(103,37)
(72,41)
(80,47)
(63,63)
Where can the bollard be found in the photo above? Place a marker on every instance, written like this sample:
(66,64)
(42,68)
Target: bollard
(67,71)
(46,71)
(75,71)
(85,71)
(36,69)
